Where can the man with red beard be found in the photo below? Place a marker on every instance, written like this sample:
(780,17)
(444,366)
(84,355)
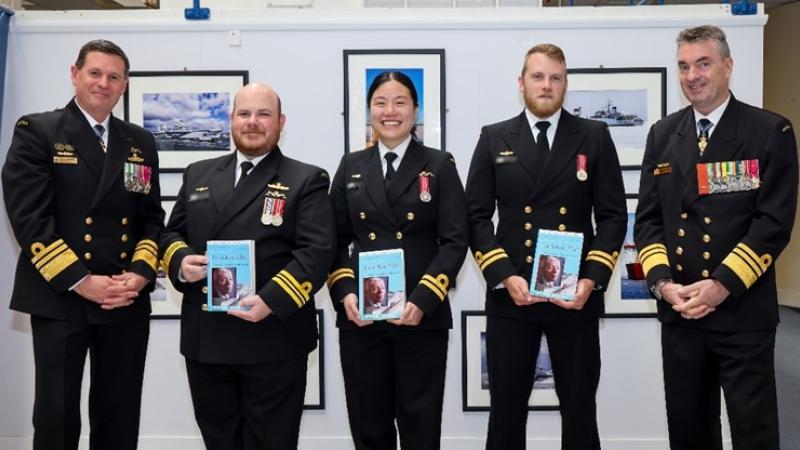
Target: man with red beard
(247,368)
(544,170)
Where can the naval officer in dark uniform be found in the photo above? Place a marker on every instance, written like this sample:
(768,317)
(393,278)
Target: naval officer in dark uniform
(535,186)
(82,194)
(397,194)
(247,368)
(716,207)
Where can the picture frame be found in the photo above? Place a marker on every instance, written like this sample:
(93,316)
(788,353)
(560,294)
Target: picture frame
(188,112)
(631,176)
(315,373)
(165,300)
(627,295)
(426,69)
(630,100)
(474,371)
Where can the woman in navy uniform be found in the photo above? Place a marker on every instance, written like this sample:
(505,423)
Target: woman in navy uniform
(397,194)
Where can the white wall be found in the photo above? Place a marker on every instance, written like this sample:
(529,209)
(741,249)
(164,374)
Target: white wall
(300,54)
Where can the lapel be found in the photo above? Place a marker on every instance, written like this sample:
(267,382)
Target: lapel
(520,140)
(221,183)
(374,182)
(412,164)
(252,186)
(81,136)
(566,144)
(119,145)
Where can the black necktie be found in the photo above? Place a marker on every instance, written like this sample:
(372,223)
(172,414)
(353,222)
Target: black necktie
(246,166)
(100,130)
(703,125)
(390,157)
(544,144)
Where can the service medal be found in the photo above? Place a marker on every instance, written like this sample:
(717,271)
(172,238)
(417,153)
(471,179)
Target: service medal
(580,169)
(277,211)
(425,186)
(266,213)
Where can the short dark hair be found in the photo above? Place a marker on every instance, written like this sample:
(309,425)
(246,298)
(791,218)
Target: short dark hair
(551,50)
(705,33)
(102,46)
(393,75)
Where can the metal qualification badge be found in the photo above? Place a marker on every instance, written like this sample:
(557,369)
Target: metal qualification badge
(425,186)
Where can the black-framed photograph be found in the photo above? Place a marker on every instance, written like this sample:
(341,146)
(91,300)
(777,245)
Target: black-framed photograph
(629,100)
(187,112)
(425,68)
(315,374)
(631,176)
(475,370)
(627,294)
(165,300)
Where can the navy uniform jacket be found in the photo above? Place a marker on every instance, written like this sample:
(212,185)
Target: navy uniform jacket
(433,235)
(507,171)
(292,258)
(72,214)
(733,237)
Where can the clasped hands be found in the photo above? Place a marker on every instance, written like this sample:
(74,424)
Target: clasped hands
(696,300)
(111,292)
(518,291)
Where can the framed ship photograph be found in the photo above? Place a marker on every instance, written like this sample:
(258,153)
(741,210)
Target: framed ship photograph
(315,375)
(187,112)
(165,300)
(628,294)
(475,373)
(426,70)
(629,100)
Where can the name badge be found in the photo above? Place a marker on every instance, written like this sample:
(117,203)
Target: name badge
(662,169)
(73,160)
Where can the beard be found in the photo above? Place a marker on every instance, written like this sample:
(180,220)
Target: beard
(541,108)
(250,148)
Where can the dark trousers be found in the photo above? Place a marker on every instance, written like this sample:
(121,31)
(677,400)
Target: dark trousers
(117,352)
(394,375)
(248,406)
(696,364)
(512,346)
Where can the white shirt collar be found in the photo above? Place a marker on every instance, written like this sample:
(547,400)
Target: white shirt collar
(93,122)
(400,151)
(240,158)
(551,132)
(714,116)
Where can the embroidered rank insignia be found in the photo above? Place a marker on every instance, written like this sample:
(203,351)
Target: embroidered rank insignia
(135,156)
(278,186)
(355,176)
(662,169)
(324,175)
(728,176)
(138,177)
(201,189)
(506,153)
(22,123)
(786,128)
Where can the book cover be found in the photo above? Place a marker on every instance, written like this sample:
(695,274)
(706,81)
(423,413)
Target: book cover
(231,274)
(381,284)
(556,264)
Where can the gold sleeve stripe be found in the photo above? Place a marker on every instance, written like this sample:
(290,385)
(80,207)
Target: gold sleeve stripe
(480,257)
(147,243)
(304,288)
(762,261)
(300,293)
(289,291)
(147,256)
(603,257)
(57,265)
(438,285)
(601,260)
(433,288)
(653,255)
(338,274)
(40,251)
(742,269)
(490,261)
(174,247)
(51,254)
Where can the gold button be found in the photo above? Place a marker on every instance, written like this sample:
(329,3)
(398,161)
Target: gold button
(684,215)
(528,226)
(362,215)
(562,227)
(87,237)
(706,238)
(124,238)
(679,251)
(704,273)
(89,221)
(679,268)
(204,289)
(562,210)
(529,259)
(528,243)
(706,256)
(87,256)
(410,216)
(681,233)
(124,220)
(123,255)
(398,235)
(528,210)
(372,236)
(707,220)
(204,307)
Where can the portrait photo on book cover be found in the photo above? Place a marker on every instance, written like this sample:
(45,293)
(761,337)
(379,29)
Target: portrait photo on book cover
(377,297)
(224,289)
(551,276)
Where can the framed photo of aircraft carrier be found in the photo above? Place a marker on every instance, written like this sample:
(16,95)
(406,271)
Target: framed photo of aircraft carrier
(629,100)
(187,112)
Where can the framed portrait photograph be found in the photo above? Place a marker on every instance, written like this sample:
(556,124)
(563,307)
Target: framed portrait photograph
(187,112)
(629,100)
(315,376)
(165,300)
(628,294)
(475,369)
(425,68)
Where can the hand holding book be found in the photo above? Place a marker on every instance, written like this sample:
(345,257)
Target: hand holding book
(254,309)
(194,268)
(351,308)
(585,288)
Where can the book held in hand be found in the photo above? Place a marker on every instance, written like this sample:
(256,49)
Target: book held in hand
(556,264)
(231,274)
(381,284)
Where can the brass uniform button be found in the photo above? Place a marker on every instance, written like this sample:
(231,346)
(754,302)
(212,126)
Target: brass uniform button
(372,236)
(707,220)
(124,238)
(679,251)
(528,227)
(362,215)
(204,307)
(681,233)
(87,256)
(204,290)
(87,237)
(529,259)
(562,227)
(679,268)
(528,210)
(528,243)
(89,221)
(704,273)
(398,235)
(410,216)
(706,256)
(706,238)
(562,210)
(124,220)
(123,255)
(684,215)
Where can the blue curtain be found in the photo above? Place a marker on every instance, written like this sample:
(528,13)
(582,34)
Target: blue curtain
(5,17)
